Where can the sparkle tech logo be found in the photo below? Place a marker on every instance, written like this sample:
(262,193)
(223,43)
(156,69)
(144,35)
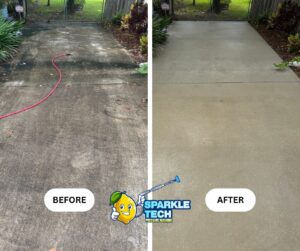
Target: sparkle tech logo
(125,209)
(162,210)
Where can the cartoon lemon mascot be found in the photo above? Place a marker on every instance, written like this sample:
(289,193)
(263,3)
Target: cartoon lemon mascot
(124,207)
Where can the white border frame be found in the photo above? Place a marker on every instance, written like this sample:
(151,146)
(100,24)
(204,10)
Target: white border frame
(150,89)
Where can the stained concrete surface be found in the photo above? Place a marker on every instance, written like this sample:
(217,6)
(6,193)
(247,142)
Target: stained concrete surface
(91,133)
(233,128)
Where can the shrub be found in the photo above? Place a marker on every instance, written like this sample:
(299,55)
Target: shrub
(159,32)
(294,43)
(220,5)
(74,5)
(144,43)
(11,4)
(9,39)
(287,18)
(117,19)
(138,21)
(157,7)
(263,19)
(125,22)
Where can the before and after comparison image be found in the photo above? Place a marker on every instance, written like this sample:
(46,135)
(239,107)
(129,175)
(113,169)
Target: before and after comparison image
(149,125)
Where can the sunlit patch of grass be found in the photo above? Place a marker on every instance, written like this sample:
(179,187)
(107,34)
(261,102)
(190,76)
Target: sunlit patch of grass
(238,9)
(91,11)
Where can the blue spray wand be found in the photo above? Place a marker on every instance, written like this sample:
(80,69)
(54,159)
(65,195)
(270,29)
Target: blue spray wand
(160,186)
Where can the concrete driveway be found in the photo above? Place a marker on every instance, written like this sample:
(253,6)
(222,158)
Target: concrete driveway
(225,118)
(90,134)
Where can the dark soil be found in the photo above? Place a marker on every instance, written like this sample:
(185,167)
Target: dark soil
(279,42)
(131,42)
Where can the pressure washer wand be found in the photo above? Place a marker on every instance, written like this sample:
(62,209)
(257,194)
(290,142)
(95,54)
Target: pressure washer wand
(160,186)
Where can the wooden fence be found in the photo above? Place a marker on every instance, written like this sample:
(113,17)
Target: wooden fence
(261,7)
(112,7)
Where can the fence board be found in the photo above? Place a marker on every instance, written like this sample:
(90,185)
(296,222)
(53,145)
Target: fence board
(262,7)
(112,7)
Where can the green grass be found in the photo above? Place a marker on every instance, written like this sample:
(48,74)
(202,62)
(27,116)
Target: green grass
(91,11)
(238,9)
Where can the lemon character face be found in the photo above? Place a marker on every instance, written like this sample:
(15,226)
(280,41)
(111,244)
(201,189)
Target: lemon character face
(126,207)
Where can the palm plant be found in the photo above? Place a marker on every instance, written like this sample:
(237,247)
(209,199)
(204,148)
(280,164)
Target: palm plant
(9,39)
(160,30)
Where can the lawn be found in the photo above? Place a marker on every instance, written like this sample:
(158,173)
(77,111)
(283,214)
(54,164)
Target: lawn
(238,9)
(92,10)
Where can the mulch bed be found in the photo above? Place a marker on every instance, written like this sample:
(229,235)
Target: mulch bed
(279,42)
(131,42)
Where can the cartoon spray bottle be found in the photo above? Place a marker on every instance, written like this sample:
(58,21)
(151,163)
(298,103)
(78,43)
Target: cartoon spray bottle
(125,209)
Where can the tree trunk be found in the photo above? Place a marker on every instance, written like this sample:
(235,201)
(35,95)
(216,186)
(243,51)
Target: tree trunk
(48,3)
(216,7)
(194,2)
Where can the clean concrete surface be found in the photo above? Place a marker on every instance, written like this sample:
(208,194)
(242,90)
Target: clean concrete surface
(91,133)
(216,52)
(243,134)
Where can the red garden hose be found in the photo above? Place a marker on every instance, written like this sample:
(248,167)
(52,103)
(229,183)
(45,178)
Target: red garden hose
(58,71)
